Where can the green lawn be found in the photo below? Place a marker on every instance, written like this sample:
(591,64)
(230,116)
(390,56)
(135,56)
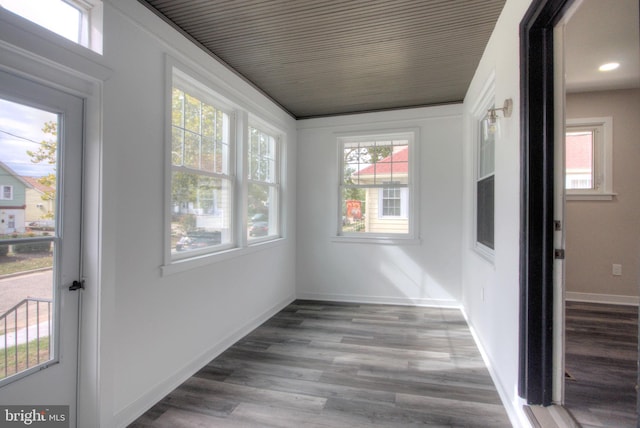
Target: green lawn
(15,264)
(8,357)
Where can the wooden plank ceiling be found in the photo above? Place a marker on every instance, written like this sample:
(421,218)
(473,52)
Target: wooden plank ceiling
(330,57)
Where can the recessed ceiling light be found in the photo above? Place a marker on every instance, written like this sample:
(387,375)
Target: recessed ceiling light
(609,66)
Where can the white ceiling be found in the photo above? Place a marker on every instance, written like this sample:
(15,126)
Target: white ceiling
(602,31)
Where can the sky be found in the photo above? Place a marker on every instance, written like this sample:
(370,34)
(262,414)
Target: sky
(21,130)
(21,126)
(55,15)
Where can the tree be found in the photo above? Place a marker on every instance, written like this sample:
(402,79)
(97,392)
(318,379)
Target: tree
(184,190)
(360,155)
(197,150)
(366,154)
(352,192)
(261,164)
(46,153)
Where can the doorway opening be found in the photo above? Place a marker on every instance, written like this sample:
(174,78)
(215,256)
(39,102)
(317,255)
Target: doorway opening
(541,376)
(600,205)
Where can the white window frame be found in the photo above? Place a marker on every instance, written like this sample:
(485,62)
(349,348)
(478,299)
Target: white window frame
(480,177)
(275,185)
(242,117)
(486,100)
(602,128)
(412,135)
(188,84)
(2,194)
(90,27)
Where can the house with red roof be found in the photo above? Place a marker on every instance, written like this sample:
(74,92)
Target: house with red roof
(387,205)
(579,160)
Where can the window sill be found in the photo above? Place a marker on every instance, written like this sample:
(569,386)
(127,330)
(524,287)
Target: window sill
(378,240)
(253,241)
(195,262)
(590,196)
(485,252)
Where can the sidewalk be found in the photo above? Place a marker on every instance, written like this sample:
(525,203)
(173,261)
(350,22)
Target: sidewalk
(24,335)
(30,284)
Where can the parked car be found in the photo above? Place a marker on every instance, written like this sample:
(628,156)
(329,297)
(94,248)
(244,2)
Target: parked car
(258,217)
(199,239)
(42,225)
(260,228)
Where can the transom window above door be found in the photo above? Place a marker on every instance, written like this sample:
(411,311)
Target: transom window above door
(77,20)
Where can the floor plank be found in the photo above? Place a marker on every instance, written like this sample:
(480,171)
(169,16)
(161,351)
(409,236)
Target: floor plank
(601,357)
(319,364)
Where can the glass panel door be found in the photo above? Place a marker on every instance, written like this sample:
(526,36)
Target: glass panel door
(28,176)
(40,223)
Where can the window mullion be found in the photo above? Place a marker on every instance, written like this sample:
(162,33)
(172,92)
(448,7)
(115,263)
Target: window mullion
(483,177)
(204,173)
(183,124)
(200,136)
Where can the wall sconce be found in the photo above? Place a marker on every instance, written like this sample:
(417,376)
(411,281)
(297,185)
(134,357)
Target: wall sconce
(490,125)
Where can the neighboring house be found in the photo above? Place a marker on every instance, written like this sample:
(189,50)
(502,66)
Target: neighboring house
(21,202)
(38,206)
(579,160)
(12,201)
(387,207)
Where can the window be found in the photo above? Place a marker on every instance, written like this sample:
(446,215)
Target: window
(263,185)
(223,183)
(76,20)
(588,167)
(377,185)
(391,202)
(7,193)
(485,188)
(394,202)
(202,179)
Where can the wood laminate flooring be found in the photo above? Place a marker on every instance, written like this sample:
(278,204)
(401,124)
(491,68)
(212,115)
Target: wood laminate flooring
(331,365)
(601,355)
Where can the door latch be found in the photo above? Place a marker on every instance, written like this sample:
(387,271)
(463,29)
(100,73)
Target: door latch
(558,254)
(77,285)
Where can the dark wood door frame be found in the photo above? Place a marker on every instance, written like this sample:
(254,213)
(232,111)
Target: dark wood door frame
(536,208)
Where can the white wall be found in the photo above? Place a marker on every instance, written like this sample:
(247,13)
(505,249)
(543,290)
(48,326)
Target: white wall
(427,273)
(491,289)
(166,327)
(149,331)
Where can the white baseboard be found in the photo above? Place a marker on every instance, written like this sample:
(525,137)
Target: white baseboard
(380,300)
(612,299)
(157,393)
(512,404)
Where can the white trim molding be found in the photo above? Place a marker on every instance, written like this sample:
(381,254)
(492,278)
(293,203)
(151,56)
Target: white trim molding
(611,299)
(380,300)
